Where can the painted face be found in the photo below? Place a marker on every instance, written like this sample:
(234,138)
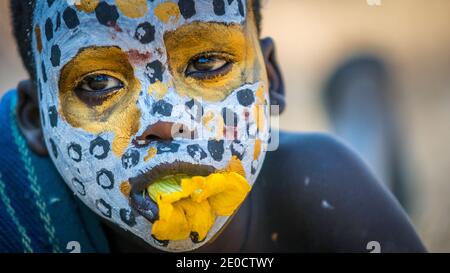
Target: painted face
(109,71)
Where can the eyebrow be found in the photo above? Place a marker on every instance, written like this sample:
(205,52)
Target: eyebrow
(215,31)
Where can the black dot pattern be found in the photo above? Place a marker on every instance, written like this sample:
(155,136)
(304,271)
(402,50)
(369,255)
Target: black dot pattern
(145,33)
(167,147)
(163,108)
(103,207)
(99,148)
(154,71)
(58,21)
(216,149)
(196,152)
(44,72)
(246,97)
(187,8)
(105,179)
(106,14)
(130,159)
(54,148)
(219,7)
(49,29)
(74,152)
(53,116)
(237,149)
(79,186)
(55,57)
(71,18)
(128,217)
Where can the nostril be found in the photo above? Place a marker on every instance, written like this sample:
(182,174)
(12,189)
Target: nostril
(150,138)
(160,131)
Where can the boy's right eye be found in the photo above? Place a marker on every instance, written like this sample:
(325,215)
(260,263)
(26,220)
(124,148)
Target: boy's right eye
(99,83)
(97,87)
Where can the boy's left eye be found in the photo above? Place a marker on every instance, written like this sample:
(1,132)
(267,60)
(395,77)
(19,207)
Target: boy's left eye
(205,67)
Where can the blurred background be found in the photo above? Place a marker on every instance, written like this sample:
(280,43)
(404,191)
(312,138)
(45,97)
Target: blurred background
(375,73)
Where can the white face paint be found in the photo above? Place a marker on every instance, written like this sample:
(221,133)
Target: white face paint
(93,138)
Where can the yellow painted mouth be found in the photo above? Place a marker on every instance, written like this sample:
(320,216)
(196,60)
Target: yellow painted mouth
(190,205)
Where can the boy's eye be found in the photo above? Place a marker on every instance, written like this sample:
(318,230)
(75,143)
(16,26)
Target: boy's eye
(205,67)
(100,84)
(96,88)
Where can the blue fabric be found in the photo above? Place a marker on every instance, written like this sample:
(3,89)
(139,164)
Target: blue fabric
(38,212)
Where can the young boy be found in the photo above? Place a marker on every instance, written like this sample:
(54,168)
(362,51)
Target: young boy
(155,115)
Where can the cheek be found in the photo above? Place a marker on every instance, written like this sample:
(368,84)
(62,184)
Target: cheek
(88,165)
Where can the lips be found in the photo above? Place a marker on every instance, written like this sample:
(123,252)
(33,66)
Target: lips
(141,201)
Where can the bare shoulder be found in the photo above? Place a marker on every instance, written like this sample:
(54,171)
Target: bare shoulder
(330,198)
(301,157)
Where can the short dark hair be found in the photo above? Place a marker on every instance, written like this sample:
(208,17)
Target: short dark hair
(22,20)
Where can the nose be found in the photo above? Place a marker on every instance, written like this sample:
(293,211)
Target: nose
(164,131)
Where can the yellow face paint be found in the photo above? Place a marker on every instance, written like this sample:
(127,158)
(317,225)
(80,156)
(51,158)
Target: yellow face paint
(125,188)
(132,8)
(167,12)
(87,6)
(207,118)
(119,112)
(232,41)
(235,165)
(158,89)
(259,108)
(259,115)
(150,154)
(38,35)
(214,123)
(257,150)
(260,94)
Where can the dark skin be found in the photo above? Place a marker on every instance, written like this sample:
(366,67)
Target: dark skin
(312,195)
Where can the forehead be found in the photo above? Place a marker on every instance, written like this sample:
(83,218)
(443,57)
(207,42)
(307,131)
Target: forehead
(138,22)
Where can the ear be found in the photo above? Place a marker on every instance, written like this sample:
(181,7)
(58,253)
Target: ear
(276,83)
(28,117)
